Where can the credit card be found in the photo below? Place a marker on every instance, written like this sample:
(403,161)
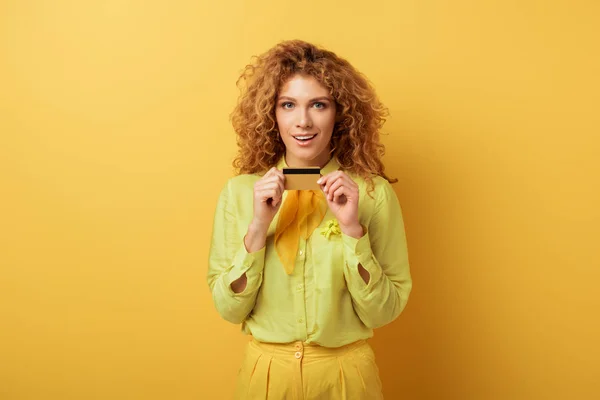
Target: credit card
(304,178)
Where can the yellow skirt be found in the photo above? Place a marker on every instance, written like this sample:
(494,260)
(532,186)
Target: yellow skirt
(300,371)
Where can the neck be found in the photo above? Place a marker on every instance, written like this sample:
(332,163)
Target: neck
(293,162)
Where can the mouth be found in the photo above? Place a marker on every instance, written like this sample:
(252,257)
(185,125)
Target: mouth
(304,139)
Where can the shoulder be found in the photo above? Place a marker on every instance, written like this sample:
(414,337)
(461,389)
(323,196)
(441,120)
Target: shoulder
(372,197)
(244,180)
(240,184)
(381,189)
(380,202)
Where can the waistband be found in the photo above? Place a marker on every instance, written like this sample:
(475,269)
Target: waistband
(300,349)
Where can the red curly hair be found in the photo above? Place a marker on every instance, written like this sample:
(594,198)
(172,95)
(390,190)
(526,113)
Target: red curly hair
(359,117)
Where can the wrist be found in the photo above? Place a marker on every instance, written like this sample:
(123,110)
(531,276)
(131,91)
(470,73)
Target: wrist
(255,239)
(258,228)
(354,230)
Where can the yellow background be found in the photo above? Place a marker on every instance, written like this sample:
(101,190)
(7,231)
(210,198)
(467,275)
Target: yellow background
(115,140)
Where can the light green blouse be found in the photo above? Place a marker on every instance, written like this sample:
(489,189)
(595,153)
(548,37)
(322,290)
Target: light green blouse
(325,300)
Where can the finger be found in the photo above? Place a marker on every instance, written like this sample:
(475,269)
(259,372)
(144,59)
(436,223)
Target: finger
(268,174)
(277,201)
(280,179)
(339,195)
(351,188)
(326,182)
(278,173)
(272,173)
(269,194)
(325,178)
(276,194)
(276,176)
(344,176)
(273,185)
(274,179)
(331,177)
(266,194)
(333,187)
(349,183)
(279,183)
(333,183)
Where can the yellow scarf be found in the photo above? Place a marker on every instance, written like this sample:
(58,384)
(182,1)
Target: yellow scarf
(300,214)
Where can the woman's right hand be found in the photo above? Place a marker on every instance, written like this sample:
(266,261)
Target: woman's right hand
(268,192)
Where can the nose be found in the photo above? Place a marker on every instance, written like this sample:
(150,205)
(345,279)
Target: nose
(304,120)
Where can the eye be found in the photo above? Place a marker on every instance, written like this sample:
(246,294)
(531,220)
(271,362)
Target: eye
(319,105)
(287,105)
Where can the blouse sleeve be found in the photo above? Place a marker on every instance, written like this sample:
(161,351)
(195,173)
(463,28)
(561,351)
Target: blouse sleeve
(229,260)
(382,251)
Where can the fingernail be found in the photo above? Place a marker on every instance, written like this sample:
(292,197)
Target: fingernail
(319,181)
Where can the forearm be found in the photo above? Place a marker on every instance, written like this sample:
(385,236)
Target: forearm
(379,301)
(378,297)
(255,239)
(356,231)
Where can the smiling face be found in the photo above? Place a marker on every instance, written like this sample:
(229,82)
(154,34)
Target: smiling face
(305,113)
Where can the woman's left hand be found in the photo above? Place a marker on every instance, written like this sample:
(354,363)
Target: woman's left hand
(341,193)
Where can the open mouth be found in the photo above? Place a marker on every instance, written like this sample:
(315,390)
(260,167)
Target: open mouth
(305,138)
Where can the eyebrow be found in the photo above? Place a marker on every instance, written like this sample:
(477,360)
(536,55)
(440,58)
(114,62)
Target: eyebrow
(314,99)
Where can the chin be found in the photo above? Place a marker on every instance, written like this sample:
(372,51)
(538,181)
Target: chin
(312,159)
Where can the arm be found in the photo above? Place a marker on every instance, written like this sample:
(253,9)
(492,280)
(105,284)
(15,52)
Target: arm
(377,270)
(231,262)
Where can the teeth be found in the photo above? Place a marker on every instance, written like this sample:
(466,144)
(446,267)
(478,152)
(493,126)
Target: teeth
(305,137)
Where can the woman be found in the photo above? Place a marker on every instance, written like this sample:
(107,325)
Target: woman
(309,274)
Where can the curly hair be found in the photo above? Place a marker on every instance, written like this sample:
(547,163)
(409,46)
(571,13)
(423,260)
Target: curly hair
(359,114)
